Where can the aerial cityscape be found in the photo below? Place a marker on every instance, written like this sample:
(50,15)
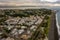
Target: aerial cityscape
(22,24)
(29,19)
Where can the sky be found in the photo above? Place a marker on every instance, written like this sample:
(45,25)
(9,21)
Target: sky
(50,0)
(28,2)
(23,1)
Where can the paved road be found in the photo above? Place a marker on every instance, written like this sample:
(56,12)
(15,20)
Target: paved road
(53,34)
(37,33)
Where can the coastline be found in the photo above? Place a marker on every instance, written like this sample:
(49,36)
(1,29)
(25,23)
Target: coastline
(57,24)
(53,30)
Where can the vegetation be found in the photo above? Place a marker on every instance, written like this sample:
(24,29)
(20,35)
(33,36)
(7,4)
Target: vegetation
(38,34)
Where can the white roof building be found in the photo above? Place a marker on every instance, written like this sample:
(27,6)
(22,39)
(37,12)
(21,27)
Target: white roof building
(20,31)
(39,21)
(32,27)
(12,21)
(28,32)
(10,27)
(21,21)
(23,27)
(14,31)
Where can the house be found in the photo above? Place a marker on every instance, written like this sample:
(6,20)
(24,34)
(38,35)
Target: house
(9,38)
(32,27)
(25,37)
(23,27)
(20,31)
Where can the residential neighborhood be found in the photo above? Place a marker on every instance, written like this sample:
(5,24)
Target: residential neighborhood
(23,24)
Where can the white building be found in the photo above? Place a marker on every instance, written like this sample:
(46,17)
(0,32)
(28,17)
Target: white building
(20,31)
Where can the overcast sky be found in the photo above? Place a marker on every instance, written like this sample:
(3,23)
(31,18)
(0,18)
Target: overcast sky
(26,2)
(23,1)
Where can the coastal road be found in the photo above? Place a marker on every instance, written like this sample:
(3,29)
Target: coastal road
(53,33)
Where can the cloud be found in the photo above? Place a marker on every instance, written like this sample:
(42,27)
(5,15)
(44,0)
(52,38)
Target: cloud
(20,1)
(17,2)
(26,2)
(50,0)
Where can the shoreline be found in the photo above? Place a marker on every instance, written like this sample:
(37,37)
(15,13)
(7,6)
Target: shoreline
(53,30)
(57,24)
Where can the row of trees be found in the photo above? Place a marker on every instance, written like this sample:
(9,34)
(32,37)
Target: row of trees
(26,12)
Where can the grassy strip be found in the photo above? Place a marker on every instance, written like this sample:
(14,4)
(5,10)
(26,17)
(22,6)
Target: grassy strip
(46,29)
